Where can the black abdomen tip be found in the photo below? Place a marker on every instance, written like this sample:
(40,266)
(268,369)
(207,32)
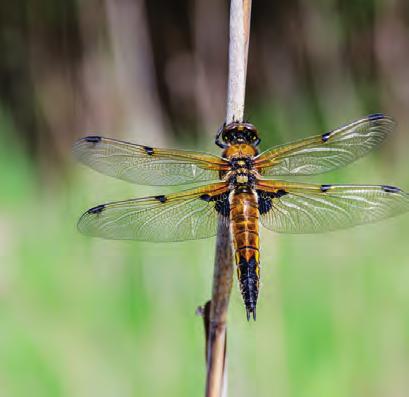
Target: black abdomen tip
(249,284)
(251,311)
(93,139)
(376,116)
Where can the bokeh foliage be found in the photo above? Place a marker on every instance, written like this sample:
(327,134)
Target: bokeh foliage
(84,317)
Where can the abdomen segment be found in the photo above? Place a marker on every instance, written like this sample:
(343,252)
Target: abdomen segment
(244,216)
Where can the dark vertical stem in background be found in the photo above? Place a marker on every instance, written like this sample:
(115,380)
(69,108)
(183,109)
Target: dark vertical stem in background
(216,381)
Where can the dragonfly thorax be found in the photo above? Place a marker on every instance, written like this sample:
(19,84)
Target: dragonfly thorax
(242,173)
(242,179)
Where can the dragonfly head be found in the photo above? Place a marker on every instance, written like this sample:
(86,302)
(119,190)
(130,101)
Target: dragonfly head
(236,133)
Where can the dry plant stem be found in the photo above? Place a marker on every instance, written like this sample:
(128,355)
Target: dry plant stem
(216,338)
(240,11)
(216,381)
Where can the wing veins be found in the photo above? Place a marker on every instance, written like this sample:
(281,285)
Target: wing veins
(344,145)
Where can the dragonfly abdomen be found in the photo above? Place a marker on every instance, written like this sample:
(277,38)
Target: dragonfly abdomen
(244,216)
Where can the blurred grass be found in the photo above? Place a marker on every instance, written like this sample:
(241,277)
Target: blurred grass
(86,317)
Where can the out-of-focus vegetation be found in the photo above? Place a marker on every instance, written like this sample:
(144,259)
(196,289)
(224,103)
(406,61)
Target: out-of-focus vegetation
(86,317)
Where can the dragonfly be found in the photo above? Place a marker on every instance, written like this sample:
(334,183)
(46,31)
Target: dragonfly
(242,190)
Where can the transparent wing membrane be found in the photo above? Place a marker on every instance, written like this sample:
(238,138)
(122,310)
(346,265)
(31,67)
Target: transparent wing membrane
(284,206)
(187,215)
(146,165)
(322,153)
(304,208)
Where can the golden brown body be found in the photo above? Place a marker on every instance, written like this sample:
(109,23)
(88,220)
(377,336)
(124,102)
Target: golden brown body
(244,219)
(244,215)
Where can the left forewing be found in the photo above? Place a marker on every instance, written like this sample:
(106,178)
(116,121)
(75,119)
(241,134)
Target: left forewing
(302,208)
(191,214)
(145,165)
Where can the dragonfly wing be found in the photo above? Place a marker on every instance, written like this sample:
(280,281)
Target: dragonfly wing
(322,153)
(302,208)
(187,215)
(146,165)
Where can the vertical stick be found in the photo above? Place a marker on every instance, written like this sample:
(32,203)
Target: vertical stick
(216,335)
(216,381)
(240,11)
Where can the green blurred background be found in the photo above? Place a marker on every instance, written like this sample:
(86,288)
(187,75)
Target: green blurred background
(85,317)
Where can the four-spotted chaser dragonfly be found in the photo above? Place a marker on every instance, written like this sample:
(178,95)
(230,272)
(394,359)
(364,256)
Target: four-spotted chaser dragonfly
(241,193)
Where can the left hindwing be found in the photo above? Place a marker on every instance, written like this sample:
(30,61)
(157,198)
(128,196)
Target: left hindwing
(303,208)
(145,165)
(187,215)
(322,153)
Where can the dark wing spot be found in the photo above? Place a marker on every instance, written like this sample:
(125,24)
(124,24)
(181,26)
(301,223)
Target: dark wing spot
(280,193)
(376,116)
(222,205)
(390,189)
(264,201)
(326,136)
(325,188)
(161,198)
(96,210)
(221,202)
(148,150)
(93,139)
(206,197)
